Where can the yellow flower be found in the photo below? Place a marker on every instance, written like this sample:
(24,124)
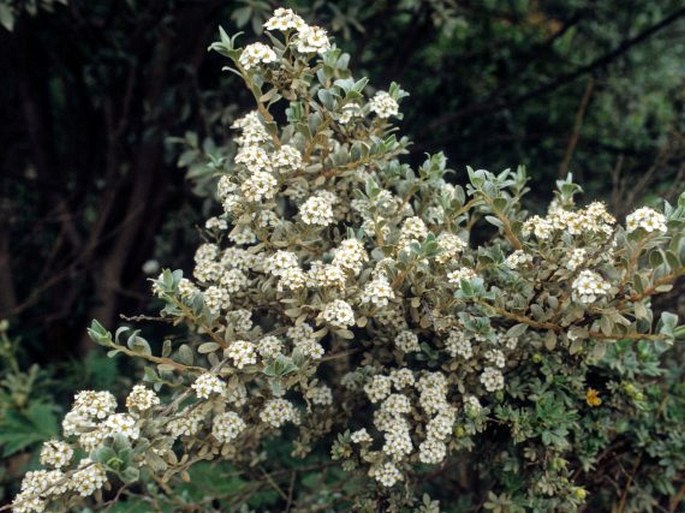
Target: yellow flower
(592,397)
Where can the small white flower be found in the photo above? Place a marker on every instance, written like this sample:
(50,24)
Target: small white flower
(407,341)
(284,19)
(384,105)
(122,424)
(338,314)
(277,412)
(648,219)
(492,379)
(141,399)
(517,259)
(463,273)
(378,292)
(227,426)
(386,474)
(56,454)
(361,436)
(589,286)
(255,54)
(242,353)
(318,211)
(208,384)
(312,40)
(378,388)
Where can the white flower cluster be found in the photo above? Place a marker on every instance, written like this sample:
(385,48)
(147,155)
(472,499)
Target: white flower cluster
(227,426)
(648,219)
(141,399)
(287,159)
(378,388)
(457,344)
(308,39)
(492,379)
(56,454)
(361,436)
(312,40)
(384,105)
(242,353)
(40,486)
(89,478)
(96,405)
(122,424)
(576,259)
(318,210)
(269,347)
(386,474)
(277,412)
(589,286)
(432,389)
(207,384)
(433,449)
(518,259)
(255,54)
(451,246)
(338,314)
(463,273)
(302,336)
(284,19)
(186,423)
(350,255)
(378,292)
(593,219)
(407,341)
(320,396)
(413,230)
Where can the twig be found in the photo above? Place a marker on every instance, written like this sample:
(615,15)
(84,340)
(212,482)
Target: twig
(577,124)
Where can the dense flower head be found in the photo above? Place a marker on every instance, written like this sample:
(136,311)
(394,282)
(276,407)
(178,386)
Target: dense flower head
(648,219)
(312,40)
(378,292)
(463,273)
(407,341)
(589,286)
(386,474)
(94,405)
(338,314)
(284,19)
(517,259)
(141,399)
(318,210)
(255,54)
(384,105)
(56,454)
(208,384)
(277,412)
(227,426)
(242,353)
(88,479)
(122,424)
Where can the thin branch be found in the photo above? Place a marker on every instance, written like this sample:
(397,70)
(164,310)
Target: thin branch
(577,124)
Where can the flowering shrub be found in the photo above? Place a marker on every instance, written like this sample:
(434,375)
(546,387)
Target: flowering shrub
(341,302)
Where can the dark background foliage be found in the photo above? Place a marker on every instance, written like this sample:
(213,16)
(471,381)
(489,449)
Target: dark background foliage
(91,93)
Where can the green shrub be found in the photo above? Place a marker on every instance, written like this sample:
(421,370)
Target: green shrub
(369,320)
